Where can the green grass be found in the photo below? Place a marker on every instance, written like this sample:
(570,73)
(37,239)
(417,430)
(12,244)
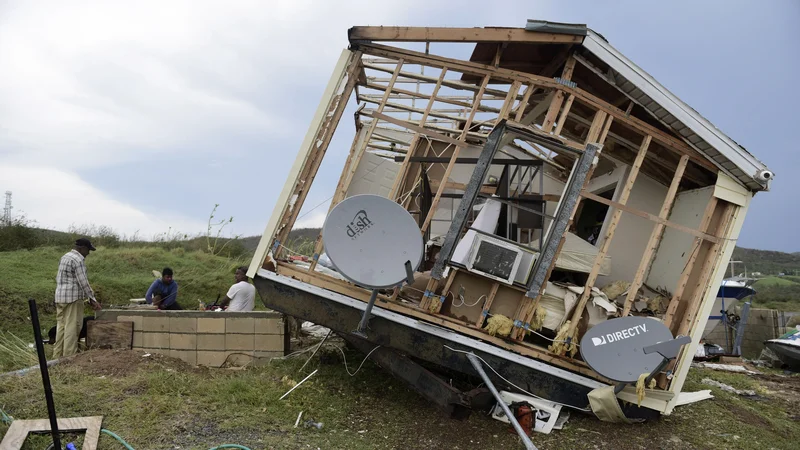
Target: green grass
(162,403)
(116,275)
(774,281)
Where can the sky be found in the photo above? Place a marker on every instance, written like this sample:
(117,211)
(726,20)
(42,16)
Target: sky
(141,116)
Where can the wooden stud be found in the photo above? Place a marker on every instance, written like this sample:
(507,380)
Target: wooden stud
(687,270)
(563,118)
(453,157)
(651,217)
(702,286)
(655,237)
(668,141)
(319,146)
(524,102)
(488,304)
(612,227)
(414,127)
(525,313)
(552,112)
(523,348)
(404,167)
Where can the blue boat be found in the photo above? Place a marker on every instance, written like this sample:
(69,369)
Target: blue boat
(730,292)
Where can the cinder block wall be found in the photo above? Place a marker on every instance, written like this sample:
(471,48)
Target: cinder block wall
(762,324)
(206,338)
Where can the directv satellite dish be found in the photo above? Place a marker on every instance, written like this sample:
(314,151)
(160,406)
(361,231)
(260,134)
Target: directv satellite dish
(624,348)
(373,242)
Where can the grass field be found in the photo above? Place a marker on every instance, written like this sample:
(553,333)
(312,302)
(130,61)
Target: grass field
(774,281)
(157,402)
(116,275)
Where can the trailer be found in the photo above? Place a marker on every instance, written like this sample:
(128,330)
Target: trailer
(556,186)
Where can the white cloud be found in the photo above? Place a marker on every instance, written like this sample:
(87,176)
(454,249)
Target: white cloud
(57,200)
(98,84)
(314,219)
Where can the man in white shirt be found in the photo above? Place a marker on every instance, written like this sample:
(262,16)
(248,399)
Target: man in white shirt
(242,294)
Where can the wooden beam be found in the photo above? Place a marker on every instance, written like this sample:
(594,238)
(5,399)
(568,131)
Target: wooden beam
(668,141)
(528,306)
(655,237)
(564,113)
(651,217)
(524,102)
(318,146)
(702,285)
(435,34)
(18,431)
(414,127)
(488,304)
(380,87)
(552,112)
(453,158)
(449,83)
(523,348)
(612,227)
(687,270)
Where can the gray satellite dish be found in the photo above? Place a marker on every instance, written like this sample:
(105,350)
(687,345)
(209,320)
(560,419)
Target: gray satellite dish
(373,242)
(624,348)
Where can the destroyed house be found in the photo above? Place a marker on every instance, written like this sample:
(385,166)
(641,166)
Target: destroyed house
(591,190)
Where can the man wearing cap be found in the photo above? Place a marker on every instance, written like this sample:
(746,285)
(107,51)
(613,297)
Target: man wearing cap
(72,288)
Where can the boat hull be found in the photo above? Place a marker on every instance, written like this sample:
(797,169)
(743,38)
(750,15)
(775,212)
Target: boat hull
(788,351)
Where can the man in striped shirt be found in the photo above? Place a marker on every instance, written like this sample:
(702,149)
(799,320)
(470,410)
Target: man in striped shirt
(72,288)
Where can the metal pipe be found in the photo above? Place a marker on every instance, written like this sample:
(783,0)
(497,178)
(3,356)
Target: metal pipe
(298,384)
(367,312)
(476,363)
(48,392)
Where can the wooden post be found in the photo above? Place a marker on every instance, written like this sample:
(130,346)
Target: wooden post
(702,286)
(524,103)
(612,227)
(319,146)
(404,169)
(456,151)
(528,305)
(563,118)
(655,237)
(552,112)
(488,304)
(687,270)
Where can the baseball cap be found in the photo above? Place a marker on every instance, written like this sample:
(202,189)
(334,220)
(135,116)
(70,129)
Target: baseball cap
(83,242)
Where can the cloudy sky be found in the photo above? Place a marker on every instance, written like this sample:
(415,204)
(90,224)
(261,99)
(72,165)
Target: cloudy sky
(143,115)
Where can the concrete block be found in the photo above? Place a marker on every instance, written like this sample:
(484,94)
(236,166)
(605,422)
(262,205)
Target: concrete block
(137,321)
(188,356)
(269,342)
(179,341)
(211,342)
(158,351)
(239,325)
(137,338)
(182,325)
(271,325)
(240,341)
(211,325)
(157,324)
(210,358)
(155,340)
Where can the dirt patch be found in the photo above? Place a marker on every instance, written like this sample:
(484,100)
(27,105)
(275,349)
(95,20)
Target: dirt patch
(748,416)
(783,388)
(120,363)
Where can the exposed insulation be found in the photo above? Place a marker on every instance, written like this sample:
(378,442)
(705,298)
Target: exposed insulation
(499,324)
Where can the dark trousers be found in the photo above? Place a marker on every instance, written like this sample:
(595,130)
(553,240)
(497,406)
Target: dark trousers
(173,307)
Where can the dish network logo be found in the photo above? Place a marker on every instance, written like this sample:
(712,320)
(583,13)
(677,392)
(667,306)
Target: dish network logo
(359,224)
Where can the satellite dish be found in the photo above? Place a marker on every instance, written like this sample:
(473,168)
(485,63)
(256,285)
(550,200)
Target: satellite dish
(369,239)
(622,349)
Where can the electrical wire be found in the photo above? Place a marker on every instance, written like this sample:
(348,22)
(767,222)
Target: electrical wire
(360,365)
(463,302)
(512,384)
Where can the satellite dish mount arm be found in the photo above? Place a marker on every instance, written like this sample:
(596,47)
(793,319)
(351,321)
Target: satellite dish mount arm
(362,325)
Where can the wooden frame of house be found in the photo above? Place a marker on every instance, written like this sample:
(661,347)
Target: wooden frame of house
(661,203)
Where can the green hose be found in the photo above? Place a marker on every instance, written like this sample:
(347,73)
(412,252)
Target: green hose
(117,438)
(6,418)
(242,447)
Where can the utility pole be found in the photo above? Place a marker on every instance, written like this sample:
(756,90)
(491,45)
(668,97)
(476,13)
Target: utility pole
(7,209)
